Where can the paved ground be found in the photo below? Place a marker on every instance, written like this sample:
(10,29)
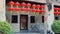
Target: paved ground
(28,32)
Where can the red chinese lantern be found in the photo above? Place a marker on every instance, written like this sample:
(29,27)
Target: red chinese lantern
(17,10)
(55,8)
(34,8)
(17,7)
(17,4)
(23,9)
(28,5)
(11,9)
(59,8)
(11,3)
(38,11)
(57,13)
(28,9)
(38,8)
(23,6)
(42,6)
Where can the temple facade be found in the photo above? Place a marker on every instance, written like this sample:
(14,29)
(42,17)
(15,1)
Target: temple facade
(30,16)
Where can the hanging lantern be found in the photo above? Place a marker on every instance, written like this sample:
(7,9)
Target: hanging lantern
(11,3)
(11,9)
(57,13)
(23,6)
(38,9)
(17,4)
(28,5)
(42,6)
(17,10)
(42,11)
(59,9)
(38,6)
(56,9)
(23,9)
(28,9)
(34,8)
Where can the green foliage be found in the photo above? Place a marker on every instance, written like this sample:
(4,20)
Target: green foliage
(5,27)
(56,26)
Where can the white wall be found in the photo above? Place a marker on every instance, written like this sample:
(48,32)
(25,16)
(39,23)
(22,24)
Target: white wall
(2,10)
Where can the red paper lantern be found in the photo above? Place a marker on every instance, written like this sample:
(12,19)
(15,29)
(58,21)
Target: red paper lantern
(17,9)
(28,9)
(42,11)
(33,6)
(59,12)
(23,4)
(56,9)
(38,6)
(56,13)
(10,9)
(37,10)
(23,9)
(11,3)
(17,4)
(59,8)
(34,10)
(42,6)
(28,4)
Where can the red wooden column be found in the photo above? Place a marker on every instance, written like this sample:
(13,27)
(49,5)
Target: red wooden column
(17,4)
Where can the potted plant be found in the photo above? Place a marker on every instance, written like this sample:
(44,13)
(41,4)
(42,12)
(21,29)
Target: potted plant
(5,27)
(56,27)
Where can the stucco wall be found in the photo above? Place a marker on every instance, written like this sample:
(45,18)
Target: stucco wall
(2,10)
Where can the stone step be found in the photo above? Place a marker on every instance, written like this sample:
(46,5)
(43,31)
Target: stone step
(28,33)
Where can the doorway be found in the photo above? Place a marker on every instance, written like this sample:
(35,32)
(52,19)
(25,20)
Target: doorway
(23,22)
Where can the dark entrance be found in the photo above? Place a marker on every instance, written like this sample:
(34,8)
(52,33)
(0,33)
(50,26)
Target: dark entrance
(23,22)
